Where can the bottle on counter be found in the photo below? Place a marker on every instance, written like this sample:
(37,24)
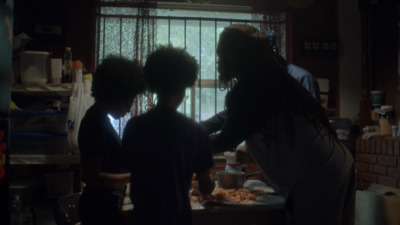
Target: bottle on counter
(77,72)
(395,129)
(56,71)
(231,163)
(67,65)
(375,119)
(386,115)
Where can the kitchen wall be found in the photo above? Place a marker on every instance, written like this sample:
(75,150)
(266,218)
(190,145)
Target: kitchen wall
(75,19)
(318,21)
(385,19)
(349,77)
(322,20)
(378,161)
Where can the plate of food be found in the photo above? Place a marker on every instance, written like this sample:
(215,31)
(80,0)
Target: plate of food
(232,197)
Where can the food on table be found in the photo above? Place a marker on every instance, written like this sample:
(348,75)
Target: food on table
(232,195)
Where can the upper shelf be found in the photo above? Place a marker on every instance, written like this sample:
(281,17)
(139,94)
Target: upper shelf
(22,159)
(43,89)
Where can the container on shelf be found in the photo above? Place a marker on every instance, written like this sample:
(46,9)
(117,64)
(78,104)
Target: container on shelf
(395,129)
(77,76)
(56,71)
(67,66)
(377,97)
(36,121)
(34,68)
(386,114)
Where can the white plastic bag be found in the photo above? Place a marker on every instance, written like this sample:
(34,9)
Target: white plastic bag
(80,101)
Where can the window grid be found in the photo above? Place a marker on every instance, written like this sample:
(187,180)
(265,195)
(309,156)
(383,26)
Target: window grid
(218,24)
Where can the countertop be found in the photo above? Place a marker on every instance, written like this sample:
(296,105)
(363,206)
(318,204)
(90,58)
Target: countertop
(269,211)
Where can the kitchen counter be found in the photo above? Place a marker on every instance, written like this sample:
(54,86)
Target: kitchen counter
(269,212)
(239,215)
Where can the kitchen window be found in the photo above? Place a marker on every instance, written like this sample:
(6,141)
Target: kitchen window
(195,27)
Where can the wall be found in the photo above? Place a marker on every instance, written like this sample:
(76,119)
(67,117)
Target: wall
(338,19)
(319,21)
(380,54)
(75,19)
(378,161)
(349,58)
(384,51)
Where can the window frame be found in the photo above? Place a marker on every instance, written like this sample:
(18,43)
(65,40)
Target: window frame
(200,83)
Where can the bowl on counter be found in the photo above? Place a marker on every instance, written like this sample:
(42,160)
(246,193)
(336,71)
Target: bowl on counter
(233,179)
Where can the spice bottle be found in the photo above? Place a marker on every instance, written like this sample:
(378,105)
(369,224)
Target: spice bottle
(67,65)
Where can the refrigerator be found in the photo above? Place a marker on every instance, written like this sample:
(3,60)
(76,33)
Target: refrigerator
(6,40)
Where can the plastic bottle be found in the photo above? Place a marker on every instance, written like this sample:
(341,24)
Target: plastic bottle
(394,130)
(67,65)
(16,210)
(231,163)
(77,71)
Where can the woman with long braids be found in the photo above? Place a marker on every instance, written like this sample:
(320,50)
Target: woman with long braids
(287,132)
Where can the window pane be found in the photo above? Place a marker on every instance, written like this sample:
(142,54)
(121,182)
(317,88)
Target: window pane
(197,30)
(127,37)
(212,101)
(193,38)
(162,32)
(177,33)
(112,44)
(127,11)
(208,46)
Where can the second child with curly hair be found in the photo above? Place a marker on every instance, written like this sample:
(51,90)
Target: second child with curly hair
(173,145)
(116,83)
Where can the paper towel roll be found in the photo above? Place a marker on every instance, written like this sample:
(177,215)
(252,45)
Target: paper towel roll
(56,70)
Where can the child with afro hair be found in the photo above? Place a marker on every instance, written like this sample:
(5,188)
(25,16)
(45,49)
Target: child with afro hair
(175,146)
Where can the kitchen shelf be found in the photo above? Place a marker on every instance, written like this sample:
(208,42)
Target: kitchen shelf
(44,89)
(43,159)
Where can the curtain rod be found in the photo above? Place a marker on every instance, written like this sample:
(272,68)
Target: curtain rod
(186,18)
(181,6)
